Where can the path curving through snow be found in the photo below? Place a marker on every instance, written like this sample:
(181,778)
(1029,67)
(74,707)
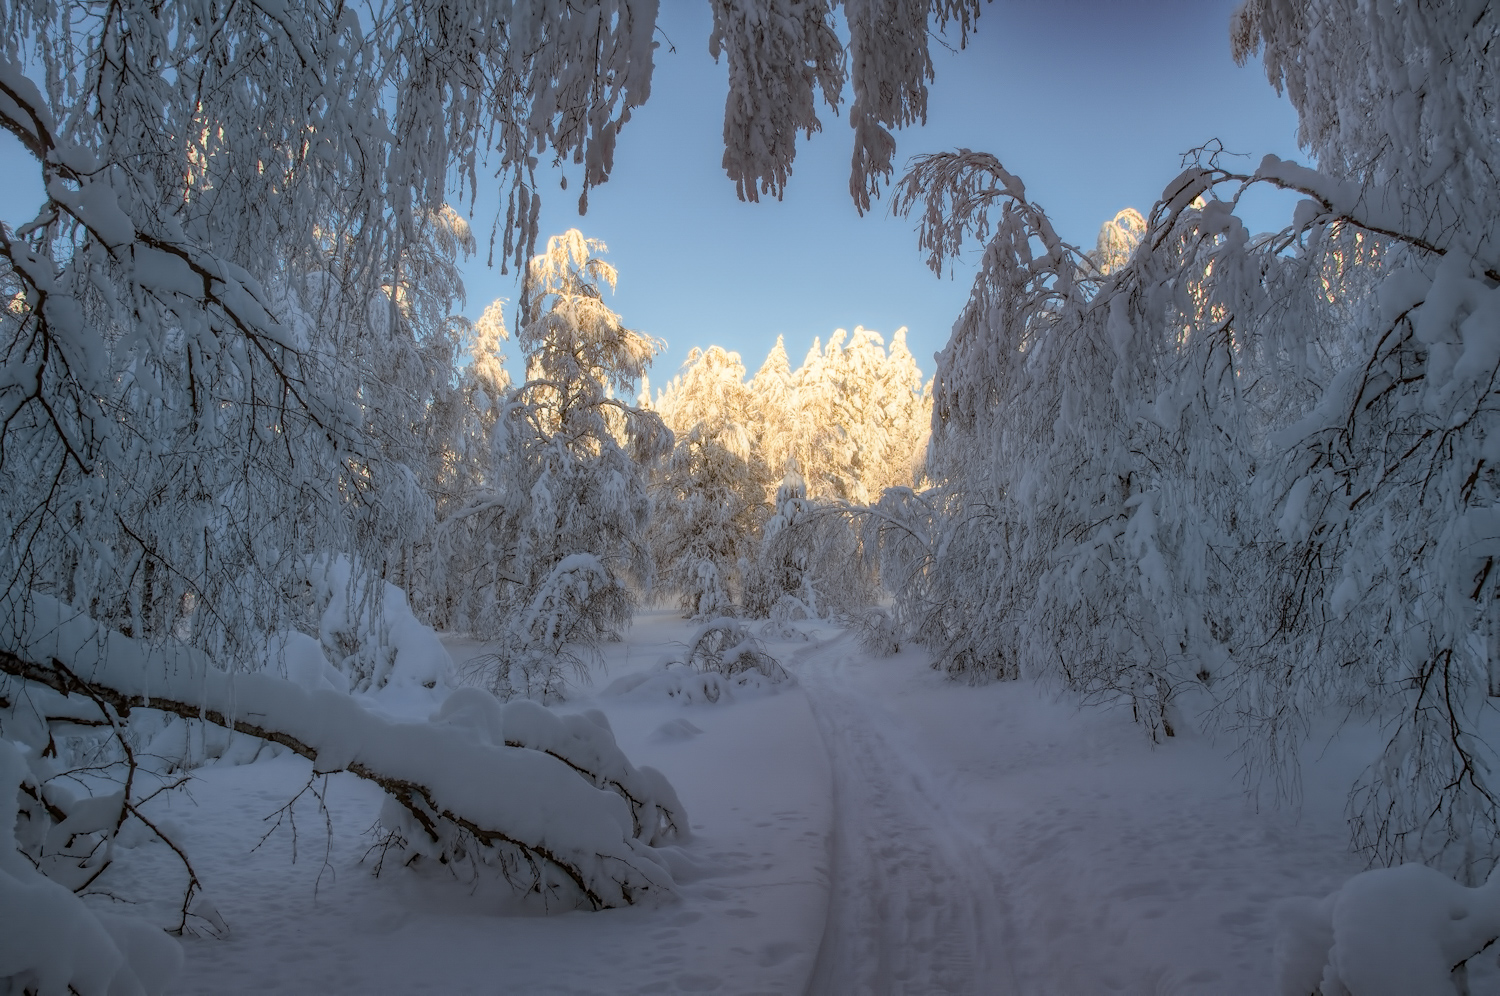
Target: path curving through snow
(915,906)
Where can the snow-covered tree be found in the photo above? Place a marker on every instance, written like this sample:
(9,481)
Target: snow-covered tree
(850,420)
(1251,471)
(1118,238)
(1388,491)
(567,532)
(460,582)
(711,495)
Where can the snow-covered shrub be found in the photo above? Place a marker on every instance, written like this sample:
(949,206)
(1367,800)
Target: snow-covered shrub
(524,672)
(678,682)
(723,660)
(52,940)
(810,564)
(878,631)
(725,646)
(578,603)
(366,627)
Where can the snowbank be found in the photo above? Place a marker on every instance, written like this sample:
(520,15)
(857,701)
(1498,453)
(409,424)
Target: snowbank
(1387,932)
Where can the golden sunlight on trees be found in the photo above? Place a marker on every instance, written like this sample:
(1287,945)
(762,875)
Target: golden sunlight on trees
(848,423)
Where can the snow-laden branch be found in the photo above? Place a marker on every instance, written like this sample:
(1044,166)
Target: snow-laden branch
(1379,209)
(523,789)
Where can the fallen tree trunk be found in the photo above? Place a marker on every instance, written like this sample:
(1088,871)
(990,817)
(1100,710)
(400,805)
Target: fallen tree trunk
(538,815)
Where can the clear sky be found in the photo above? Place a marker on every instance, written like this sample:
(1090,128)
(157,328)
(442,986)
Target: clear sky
(1090,102)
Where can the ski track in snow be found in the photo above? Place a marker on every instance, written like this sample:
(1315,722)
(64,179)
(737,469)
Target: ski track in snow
(915,905)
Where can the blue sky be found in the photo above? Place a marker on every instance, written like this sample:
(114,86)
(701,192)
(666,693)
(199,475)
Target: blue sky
(1091,102)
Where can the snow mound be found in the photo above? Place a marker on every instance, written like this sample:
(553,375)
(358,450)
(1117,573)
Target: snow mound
(301,658)
(372,635)
(1388,932)
(584,743)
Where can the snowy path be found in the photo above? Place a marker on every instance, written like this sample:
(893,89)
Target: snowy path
(915,906)
(994,840)
(874,830)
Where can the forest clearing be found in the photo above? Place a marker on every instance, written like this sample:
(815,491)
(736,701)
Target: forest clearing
(355,638)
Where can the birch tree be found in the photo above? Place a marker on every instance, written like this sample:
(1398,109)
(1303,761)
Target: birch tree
(569,532)
(1246,471)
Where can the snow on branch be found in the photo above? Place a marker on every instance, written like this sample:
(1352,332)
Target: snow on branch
(782,54)
(957,191)
(534,811)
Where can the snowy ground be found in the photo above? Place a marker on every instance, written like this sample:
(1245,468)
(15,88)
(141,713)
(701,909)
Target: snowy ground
(871,829)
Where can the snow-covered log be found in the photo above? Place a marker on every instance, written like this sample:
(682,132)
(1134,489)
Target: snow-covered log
(528,804)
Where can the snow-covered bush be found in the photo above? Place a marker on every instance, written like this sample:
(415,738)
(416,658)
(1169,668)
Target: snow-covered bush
(51,939)
(677,682)
(373,639)
(810,564)
(726,646)
(548,640)
(878,631)
(722,660)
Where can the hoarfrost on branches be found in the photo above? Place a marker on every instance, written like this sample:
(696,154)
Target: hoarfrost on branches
(565,526)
